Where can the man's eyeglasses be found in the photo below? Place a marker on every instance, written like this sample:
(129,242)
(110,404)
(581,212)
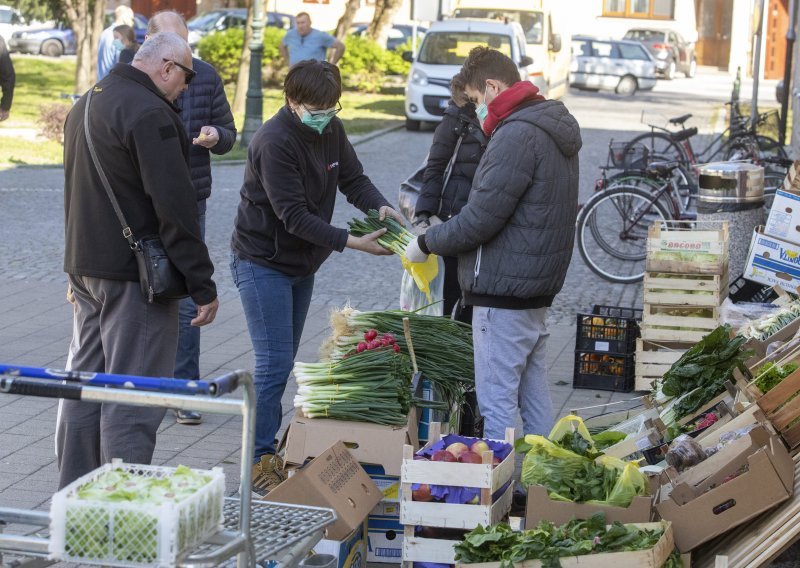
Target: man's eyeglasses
(188,74)
(330,113)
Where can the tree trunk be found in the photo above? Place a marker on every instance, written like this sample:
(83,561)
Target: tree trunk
(347,18)
(382,20)
(86,19)
(240,94)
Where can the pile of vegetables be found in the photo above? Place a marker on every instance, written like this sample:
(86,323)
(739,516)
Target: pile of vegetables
(130,534)
(442,347)
(571,467)
(701,373)
(769,375)
(371,385)
(686,256)
(548,543)
(767,326)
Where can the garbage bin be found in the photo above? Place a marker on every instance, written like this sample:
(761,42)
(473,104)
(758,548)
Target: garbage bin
(732,191)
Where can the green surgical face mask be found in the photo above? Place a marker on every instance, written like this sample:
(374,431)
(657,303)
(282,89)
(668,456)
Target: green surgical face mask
(320,119)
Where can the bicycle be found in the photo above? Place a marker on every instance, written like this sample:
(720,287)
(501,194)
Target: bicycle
(612,226)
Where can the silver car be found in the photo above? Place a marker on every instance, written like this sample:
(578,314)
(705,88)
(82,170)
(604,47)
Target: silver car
(622,66)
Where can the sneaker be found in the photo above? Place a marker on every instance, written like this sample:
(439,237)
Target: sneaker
(267,474)
(188,417)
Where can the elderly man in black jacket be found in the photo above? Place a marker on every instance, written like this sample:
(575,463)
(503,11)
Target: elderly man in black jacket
(208,121)
(140,145)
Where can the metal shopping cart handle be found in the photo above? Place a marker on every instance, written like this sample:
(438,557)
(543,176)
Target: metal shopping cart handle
(32,381)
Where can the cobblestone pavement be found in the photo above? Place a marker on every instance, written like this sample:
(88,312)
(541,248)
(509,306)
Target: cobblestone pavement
(36,321)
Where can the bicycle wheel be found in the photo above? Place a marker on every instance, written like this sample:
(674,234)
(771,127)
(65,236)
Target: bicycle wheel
(685,183)
(662,147)
(612,232)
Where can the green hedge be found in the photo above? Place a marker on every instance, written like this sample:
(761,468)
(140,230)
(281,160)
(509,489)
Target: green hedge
(363,65)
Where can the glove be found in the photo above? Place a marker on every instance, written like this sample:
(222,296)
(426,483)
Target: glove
(413,253)
(420,225)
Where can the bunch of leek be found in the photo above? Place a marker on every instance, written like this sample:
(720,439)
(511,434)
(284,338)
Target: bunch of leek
(396,237)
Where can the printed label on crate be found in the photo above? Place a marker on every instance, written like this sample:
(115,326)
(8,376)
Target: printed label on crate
(602,346)
(688,246)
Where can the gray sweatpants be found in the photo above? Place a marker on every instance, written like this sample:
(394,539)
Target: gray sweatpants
(511,370)
(114,331)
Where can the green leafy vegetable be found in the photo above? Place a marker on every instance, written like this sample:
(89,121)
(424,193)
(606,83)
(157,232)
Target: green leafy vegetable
(769,375)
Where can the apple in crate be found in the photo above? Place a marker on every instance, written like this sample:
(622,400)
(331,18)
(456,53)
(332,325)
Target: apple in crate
(470,457)
(443,456)
(457,448)
(479,447)
(422,493)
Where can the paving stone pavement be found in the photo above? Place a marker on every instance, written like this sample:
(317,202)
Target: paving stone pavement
(35,326)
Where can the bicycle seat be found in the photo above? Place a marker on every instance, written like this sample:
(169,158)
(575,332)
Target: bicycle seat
(680,119)
(662,169)
(684,134)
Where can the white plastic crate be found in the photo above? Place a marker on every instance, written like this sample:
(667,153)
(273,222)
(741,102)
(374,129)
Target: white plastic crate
(126,533)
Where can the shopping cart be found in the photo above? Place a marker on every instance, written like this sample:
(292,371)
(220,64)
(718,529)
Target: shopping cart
(255,532)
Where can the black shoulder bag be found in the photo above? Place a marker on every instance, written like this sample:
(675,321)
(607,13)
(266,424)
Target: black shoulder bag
(159,280)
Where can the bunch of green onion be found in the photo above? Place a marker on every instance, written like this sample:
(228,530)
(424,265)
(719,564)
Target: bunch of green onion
(443,347)
(371,386)
(396,237)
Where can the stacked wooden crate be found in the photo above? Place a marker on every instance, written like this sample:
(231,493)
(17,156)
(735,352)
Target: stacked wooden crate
(685,284)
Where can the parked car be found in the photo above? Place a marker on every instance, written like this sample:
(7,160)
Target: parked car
(671,51)
(10,21)
(220,20)
(398,35)
(54,42)
(59,40)
(618,65)
(443,51)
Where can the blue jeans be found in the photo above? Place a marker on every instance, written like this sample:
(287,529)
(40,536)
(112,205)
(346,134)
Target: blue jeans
(275,306)
(187,358)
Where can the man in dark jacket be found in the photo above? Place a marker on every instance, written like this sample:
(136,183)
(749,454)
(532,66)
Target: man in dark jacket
(7,80)
(513,238)
(139,141)
(208,122)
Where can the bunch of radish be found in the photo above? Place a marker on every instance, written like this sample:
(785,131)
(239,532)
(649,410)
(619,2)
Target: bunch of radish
(373,341)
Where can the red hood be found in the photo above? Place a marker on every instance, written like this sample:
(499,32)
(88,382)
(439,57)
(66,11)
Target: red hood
(507,102)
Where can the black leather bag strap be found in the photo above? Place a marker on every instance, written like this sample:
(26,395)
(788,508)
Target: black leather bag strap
(126,230)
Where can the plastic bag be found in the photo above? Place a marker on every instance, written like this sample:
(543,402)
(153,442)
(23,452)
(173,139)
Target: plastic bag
(545,461)
(422,286)
(568,424)
(410,190)
(630,483)
(741,314)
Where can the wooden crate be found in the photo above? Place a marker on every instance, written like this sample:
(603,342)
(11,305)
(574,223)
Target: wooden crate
(653,359)
(669,289)
(433,550)
(674,323)
(668,241)
(651,558)
(781,406)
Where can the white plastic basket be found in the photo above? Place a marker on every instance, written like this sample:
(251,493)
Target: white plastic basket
(128,533)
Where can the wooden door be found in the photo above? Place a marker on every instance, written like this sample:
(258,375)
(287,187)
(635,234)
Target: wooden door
(777,24)
(714,21)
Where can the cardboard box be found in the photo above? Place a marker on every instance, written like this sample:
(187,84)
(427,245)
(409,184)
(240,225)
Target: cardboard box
(350,552)
(773,262)
(369,443)
(541,508)
(334,480)
(703,505)
(784,217)
(651,558)
(385,537)
(388,484)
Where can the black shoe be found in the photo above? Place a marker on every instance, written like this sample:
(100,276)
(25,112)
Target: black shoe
(188,417)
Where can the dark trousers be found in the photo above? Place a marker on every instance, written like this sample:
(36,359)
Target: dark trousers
(114,331)
(452,292)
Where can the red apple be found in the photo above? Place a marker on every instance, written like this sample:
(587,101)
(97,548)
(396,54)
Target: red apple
(495,462)
(457,448)
(422,493)
(479,447)
(470,457)
(443,456)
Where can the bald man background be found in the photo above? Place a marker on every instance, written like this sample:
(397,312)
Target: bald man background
(209,125)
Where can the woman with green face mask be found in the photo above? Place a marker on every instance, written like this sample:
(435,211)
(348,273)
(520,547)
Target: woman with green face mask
(282,234)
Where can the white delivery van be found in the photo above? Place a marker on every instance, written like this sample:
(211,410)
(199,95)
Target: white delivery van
(441,55)
(547,35)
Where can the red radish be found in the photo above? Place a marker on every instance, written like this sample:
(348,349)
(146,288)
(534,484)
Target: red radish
(396,348)
(371,334)
(374,344)
(443,456)
(456,448)
(361,347)
(469,457)
(385,342)
(390,336)
(422,493)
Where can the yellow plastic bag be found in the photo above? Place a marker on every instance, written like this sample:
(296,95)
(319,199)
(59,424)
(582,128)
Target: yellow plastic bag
(423,273)
(571,423)
(630,483)
(546,460)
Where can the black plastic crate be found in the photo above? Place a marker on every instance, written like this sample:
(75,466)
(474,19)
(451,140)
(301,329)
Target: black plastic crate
(603,371)
(608,329)
(743,290)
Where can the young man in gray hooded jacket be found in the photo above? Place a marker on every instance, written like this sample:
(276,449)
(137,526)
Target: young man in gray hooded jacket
(513,238)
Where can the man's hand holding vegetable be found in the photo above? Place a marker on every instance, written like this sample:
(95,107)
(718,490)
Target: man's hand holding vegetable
(369,243)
